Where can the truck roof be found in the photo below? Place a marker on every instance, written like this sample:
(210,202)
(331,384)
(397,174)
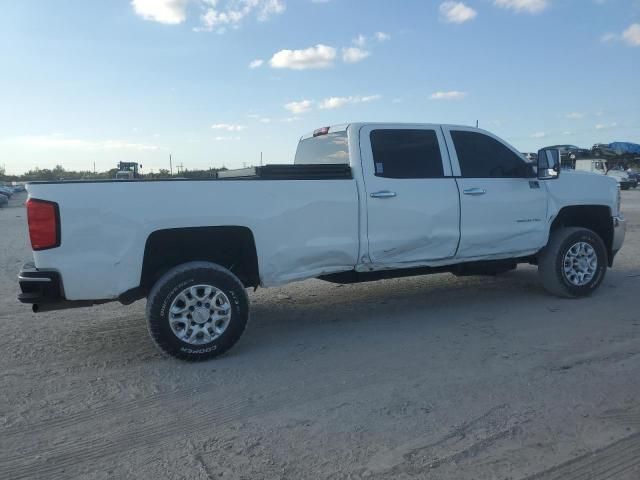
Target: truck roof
(343,126)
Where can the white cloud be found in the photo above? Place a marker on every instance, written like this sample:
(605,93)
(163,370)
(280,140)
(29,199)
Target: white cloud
(574,115)
(228,127)
(337,102)
(632,35)
(333,102)
(456,12)
(170,12)
(225,139)
(360,41)
(538,135)
(528,6)
(219,14)
(290,119)
(259,118)
(451,95)
(354,54)
(603,126)
(257,63)
(320,56)
(57,141)
(299,107)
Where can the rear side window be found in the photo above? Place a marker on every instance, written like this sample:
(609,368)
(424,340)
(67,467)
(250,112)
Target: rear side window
(481,156)
(323,149)
(406,154)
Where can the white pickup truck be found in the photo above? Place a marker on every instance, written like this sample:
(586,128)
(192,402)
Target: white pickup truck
(361,202)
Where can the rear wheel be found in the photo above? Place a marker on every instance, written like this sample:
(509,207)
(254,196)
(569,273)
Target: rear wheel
(197,311)
(573,263)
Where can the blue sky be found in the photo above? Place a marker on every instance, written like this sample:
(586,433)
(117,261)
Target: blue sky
(104,81)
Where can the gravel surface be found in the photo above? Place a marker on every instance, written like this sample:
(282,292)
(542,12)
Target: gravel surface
(432,377)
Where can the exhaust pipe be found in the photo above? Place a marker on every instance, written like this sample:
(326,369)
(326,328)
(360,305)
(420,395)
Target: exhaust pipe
(49,307)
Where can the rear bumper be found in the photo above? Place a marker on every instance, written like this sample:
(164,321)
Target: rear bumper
(44,291)
(39,286)
(619,232)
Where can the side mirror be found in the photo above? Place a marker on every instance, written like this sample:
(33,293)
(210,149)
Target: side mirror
(548,164)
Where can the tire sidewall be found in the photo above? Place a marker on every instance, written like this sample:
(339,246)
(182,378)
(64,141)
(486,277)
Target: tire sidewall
(158,313)
(601,254)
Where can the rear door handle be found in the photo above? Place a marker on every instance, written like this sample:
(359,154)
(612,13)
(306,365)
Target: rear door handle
(474,191)
(383,194)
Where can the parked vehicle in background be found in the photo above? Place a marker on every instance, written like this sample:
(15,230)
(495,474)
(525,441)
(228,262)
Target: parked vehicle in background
(603,149)
(625,148)
(362,202)
(128,171)
(569,153)
(530,157)
(6,191)
(623,179)
(3,200)
(600,166)
(633,175)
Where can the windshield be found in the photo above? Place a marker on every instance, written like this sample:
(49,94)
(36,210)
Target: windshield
(323,149)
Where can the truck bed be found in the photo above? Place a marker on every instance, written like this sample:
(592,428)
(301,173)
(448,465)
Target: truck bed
(337,171)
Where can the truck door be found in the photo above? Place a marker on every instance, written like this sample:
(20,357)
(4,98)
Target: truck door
(503,205)
(412,199)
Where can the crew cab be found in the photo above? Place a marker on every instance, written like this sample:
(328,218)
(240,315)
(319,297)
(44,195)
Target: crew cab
(361,202)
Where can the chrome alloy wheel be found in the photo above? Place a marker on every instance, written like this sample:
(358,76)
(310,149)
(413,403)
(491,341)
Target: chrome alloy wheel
(199,314)
(580,264)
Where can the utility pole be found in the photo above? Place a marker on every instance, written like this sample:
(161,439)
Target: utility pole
(260,158)
(170,165)
(476,123)
(94,168)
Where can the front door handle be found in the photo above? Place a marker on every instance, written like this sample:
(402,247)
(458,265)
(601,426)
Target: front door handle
(383,194)
(474,191)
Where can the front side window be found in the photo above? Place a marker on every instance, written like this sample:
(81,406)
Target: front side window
(323,149)
(406,153)
(481,156)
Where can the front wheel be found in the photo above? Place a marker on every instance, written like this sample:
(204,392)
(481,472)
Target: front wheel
(197,311)
(573,263)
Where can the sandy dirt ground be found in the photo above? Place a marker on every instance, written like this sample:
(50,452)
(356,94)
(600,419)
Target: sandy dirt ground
(432,377)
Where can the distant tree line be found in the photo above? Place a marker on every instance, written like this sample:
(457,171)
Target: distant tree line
(60,173)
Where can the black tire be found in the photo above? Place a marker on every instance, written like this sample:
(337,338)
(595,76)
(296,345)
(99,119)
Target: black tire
(551,262)
(175,281)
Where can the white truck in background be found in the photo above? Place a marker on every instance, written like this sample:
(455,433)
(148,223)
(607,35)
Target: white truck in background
(601,167)
(362,202)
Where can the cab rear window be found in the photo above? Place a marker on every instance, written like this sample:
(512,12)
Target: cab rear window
(323,149)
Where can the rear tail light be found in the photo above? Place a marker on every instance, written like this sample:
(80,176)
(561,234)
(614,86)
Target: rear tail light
(44,224)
